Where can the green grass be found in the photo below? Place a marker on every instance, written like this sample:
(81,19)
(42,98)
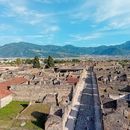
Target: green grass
(37,107)
(36,115)
(11,110)
(30,125)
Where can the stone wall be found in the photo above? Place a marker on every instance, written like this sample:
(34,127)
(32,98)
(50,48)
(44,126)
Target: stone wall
(53,123)
(75,101)
(6,100)
(34,93)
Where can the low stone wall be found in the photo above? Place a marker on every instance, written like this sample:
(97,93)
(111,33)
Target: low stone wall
(18,116)
(75,101)
(6,100)
(116,97)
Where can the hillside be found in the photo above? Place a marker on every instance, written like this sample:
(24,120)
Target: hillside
(23,49)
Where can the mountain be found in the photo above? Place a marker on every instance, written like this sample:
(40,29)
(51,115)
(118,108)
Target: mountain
(23,49)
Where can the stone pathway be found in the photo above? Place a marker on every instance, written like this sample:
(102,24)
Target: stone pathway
(85,119)
(89,115)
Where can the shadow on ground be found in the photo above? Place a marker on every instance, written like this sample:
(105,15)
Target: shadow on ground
(40,119)
(24,105)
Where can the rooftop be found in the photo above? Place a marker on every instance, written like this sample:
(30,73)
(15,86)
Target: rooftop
(4,93)
(13,81)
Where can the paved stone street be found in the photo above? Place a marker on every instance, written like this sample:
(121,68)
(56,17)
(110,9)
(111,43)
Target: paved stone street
(85,117)
(89,107)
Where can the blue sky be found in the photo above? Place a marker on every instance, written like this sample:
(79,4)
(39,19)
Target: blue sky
(61,22)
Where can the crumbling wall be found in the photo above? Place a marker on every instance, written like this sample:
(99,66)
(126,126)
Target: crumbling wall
(75,100)
(53,123)
(35,93)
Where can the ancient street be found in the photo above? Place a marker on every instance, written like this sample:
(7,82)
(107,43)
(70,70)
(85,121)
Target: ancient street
(89,115)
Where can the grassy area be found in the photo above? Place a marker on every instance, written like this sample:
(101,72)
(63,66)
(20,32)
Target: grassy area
(30,125)
(11,110)
(37,114)
(34,116)
(35,109)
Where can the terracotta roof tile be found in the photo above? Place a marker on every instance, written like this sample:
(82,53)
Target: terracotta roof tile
(13,81)
(4,93)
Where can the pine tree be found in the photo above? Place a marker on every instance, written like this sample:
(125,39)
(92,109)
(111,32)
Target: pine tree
(50,62)
(36,63)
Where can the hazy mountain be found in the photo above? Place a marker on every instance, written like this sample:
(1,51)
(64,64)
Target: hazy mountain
(23,49)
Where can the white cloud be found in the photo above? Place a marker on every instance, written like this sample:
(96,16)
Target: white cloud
(111,9)
(51,29)
(83,11)
(20,11)
(85,37)
(114,13)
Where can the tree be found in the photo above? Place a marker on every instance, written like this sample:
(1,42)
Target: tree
(18,61)
(49,62)
(75,60)
(36,63)
(28,61)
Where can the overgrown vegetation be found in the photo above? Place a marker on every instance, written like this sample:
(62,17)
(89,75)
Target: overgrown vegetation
(123,63)
(28,61)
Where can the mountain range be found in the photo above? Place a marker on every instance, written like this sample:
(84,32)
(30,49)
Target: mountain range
(24,49)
